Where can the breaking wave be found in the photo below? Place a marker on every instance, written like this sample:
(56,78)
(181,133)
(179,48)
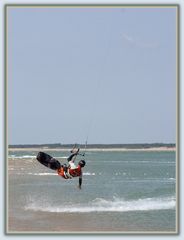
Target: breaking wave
(53,174)
(103,205)
(22,157)
(30,156)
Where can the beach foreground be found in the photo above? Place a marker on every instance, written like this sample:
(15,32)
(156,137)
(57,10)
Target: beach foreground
(89,223)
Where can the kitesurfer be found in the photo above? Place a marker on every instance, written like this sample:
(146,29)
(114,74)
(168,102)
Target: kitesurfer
(72,170)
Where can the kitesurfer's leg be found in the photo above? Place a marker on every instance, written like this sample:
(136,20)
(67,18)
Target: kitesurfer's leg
(72,157)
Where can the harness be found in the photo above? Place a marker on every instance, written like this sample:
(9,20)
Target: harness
(64,174)
(67,174)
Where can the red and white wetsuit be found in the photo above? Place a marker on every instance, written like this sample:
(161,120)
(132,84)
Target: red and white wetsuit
(72,171)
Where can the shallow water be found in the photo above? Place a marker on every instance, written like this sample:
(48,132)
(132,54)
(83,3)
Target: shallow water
(121,191)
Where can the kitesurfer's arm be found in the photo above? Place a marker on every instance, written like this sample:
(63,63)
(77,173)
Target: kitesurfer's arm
(80,182)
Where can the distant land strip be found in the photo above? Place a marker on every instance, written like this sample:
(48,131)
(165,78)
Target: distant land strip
(95,146)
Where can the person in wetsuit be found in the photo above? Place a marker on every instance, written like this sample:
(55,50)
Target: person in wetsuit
(72,170)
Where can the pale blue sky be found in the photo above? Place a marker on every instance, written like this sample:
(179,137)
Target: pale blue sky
(105,73)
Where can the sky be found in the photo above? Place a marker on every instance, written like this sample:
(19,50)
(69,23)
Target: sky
(103,74)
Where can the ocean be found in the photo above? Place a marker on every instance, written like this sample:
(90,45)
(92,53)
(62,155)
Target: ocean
(122,192)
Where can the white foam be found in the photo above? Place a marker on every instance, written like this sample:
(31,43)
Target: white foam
(21,157)
(30,156)
(43,174)
(102,205)
(53,174)
(89,174)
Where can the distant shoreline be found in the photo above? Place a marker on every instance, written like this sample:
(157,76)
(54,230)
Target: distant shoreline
(148,149)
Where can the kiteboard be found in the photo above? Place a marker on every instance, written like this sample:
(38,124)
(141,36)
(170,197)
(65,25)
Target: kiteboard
(48,161)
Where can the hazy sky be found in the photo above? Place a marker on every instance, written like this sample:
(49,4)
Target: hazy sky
(105,73)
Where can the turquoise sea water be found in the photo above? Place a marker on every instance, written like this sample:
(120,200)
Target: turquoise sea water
(131,191)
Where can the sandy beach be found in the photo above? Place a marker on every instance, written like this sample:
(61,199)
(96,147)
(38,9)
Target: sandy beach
(65,223)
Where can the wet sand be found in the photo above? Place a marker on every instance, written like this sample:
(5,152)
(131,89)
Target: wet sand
(61,223)
(70,223)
